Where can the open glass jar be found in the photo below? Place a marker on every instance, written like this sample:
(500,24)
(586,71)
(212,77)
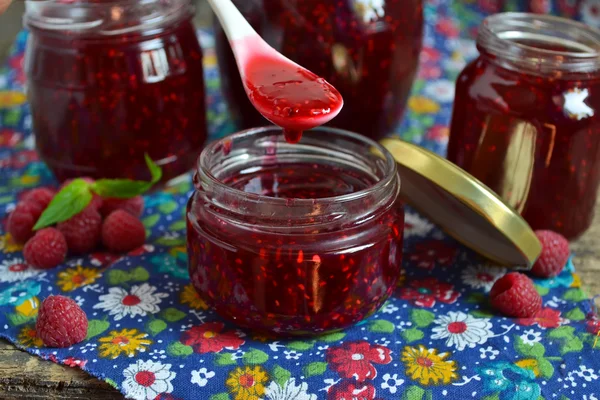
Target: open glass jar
(109,81)
(368,50)
(526,118)
(295,238)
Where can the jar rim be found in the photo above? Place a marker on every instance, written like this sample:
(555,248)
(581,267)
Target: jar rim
(106,18)
(506,36)
(217,146)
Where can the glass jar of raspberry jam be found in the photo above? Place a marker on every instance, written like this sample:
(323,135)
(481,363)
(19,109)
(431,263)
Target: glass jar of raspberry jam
(108,81)
(295,239)
(526,118)
(368,50)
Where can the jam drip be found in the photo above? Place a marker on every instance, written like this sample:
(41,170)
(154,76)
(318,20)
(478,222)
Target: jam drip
(288,279)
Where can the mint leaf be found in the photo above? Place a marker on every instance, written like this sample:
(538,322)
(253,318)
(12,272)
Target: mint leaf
(70,201)
(127,188)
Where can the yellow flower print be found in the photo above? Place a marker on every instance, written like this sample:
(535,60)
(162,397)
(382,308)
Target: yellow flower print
(29,308)
(247,383)
(175,251)
(12,98)
(423,105)
(28,337)
(8,245)
(530,364)
(127,341)
(190,297)
(72,278)
(428,367)
(576,281)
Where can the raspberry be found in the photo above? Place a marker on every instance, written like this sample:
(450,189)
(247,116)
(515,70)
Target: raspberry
(40,197)
(122,232)
(21,221)
(47,249)
(555,254)
(134,206)
(61,322)
(514,295)
(82,231)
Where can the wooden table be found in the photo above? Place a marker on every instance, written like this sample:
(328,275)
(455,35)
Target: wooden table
(23,376)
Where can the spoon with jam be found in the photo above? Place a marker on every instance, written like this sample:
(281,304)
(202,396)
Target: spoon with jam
(284,92)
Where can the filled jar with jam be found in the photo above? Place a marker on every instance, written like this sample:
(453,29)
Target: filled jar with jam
(369,51)
(526,118)
(295,239)
(109,81)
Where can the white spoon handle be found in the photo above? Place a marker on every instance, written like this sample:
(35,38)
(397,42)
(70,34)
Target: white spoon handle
(233,22)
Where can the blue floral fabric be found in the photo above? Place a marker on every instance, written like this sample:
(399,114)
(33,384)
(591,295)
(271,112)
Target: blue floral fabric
(151,336)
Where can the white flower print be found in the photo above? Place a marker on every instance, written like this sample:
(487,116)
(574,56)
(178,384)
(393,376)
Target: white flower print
(202,376)
(586,373)
(389,308)
(292,355)
(414,225)
(462,330)
(147,379)
(17,270)
(441,90)
(391,383)
(488,352)
(465,47)
(482,276)
(289,391)
(142,300)
(531,337)
(590,12)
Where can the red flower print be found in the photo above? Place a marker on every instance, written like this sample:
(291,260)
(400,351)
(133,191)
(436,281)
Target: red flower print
(447,27)
(102,259)
(348,390)
(489,6)
(424,293)
(75,362)
(568,8)
(209,338)
(438,133)
(20,159)
(429,55)
(9,137)
(428,254)
(539,6)
(545,318)
(429,72)
(593,326)
(354,359)
(147,248)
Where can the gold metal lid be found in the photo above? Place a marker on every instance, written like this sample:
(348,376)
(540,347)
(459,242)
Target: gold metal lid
(464,207)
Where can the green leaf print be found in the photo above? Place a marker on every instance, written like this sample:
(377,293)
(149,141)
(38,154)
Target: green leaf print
(172,314)
(112,383)
(151,220)
(171,242)
(575,314)
(381,326)
(481,313)
(546,368)
(421,318)
(222,359)
(542,290)
(332,337)
(18,319)
(220,396)
(280,375)
(495,396)
(569,342)
(563,332)
(178,349)
(156,326)
(96,327)
(315,368)
(477,298)
(575,294)
(413,393)
(116,277)
(177,226)
(300,346)
(254,357)
(536,350)
(412,335)
(139,274)
(168,207)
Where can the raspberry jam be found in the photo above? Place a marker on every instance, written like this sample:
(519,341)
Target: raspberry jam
(525,119)
(295,239)
(104,91)
(367,50)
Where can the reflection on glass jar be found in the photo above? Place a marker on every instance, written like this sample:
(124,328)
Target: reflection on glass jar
(108,83)
(526,118)
(295,238)
(368,50)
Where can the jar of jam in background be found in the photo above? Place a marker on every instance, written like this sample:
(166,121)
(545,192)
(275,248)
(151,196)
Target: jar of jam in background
(295,238)
(109,81)
(526,118)
(369,51)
